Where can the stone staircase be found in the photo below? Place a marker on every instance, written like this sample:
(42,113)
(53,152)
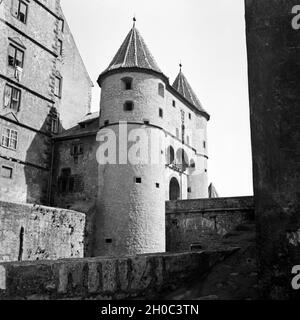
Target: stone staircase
(233,279)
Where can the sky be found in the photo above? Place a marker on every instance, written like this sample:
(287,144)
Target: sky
(208,37)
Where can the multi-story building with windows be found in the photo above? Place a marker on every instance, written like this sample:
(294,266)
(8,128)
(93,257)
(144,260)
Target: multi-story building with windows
(44,90)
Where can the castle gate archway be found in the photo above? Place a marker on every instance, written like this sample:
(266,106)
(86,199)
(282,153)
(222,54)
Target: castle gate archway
(174,190)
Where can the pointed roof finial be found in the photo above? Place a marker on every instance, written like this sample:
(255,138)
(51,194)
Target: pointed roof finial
(134,20)
(180,66)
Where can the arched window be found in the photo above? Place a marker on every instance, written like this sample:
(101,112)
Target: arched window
(187,140)
(192,164)
(128,106)
(182,159)
(170,155)
(127,83)
(161,90)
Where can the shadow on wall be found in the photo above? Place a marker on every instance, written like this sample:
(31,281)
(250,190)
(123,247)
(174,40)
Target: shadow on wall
(38,159)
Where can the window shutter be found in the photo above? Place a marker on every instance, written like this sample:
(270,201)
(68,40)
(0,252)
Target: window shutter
(15,100)
(14,7)
(7,96)
(11,55)
(19,59)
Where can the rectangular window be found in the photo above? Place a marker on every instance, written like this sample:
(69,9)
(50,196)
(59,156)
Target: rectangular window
(157,185)
(161,90)
(174,103)
(58,86)
(138,180)
(61,24)
(6,172)
(9,138)
(22,11)
(12,98)
(59,47)
(190,116)
(161,113)
(15,56)
(189,190)
(54,124)
(204,144)
(106,122)
(77,149)
(128,106)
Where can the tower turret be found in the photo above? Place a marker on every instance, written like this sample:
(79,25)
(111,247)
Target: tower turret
(131,206)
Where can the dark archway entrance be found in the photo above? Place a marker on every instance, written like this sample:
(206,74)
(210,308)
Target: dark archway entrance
(174,191)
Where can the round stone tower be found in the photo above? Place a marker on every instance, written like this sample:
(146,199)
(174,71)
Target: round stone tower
(131,205)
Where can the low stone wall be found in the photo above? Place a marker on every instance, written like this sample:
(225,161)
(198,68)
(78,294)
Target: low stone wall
(104,278)
(203,222)
(29,232)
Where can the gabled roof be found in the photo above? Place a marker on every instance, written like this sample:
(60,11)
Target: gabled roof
(182,86)
(89,125)
(89,117)
(133,53)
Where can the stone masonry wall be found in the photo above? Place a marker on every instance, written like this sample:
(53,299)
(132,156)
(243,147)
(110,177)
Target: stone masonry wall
(29,232)
(274,91)
(203,222)
(104,278)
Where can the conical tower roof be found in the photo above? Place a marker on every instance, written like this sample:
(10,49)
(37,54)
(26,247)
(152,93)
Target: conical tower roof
(133,53)
(182,86)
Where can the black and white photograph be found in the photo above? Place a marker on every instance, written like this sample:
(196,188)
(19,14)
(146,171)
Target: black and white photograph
(149,151)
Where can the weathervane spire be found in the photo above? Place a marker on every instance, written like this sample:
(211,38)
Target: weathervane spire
(134,20)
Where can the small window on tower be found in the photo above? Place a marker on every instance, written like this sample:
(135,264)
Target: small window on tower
(161,90)
(190,116)
(106,122)
(161,112)
(189,190)
(138,180)
(204,144)
(127,83)
(174,103)
(128,106)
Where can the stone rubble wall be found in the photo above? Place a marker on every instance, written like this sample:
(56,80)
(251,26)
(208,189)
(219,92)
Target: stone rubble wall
(31,232)
(104,278)
(203,222)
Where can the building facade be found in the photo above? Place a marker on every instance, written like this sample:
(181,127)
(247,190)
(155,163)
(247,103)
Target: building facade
(44,90)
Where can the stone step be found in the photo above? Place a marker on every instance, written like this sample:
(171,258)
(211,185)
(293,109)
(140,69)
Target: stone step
(246,227)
